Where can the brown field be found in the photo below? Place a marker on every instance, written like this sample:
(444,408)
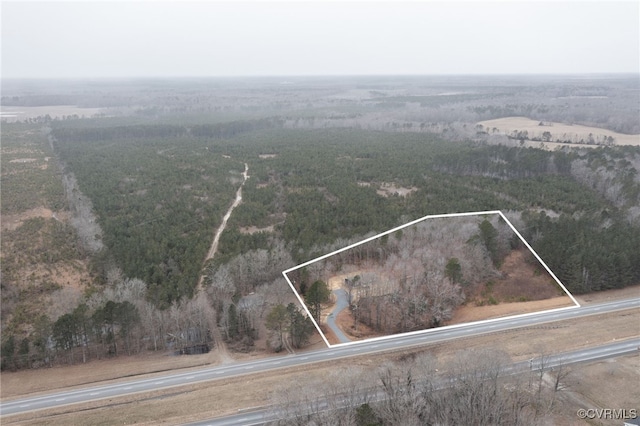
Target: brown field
(598,385)
(564,132)
(228,396)
(14,221)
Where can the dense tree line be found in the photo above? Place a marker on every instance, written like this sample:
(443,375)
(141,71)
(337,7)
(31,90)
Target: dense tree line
(506,162)
(117,321)
(589,253)
(64,131)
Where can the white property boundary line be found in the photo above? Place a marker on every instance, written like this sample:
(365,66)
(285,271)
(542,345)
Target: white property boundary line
(437,216)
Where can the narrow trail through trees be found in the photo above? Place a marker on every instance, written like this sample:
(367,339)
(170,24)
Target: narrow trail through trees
(216,238)
(217,336)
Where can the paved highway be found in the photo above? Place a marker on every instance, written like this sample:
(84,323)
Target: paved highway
(338,351)
(264,415)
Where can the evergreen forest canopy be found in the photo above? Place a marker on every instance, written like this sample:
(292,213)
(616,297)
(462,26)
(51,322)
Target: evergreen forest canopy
(330,161)
(159,199)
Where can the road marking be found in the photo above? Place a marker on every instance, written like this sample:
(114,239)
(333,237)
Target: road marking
(128,387)
(191,377)
(94,393)
(160,382)
(60,399)
(24,405)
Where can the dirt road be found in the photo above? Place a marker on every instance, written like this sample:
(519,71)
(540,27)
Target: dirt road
(225,219)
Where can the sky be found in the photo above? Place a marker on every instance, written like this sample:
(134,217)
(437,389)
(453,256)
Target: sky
(122,39)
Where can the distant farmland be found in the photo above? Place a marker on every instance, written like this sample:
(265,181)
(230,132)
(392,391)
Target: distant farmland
(557,132)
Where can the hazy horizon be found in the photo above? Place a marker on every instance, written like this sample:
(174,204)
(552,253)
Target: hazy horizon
(121,39)
(324,76)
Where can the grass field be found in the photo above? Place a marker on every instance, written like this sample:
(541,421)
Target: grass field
(566,133)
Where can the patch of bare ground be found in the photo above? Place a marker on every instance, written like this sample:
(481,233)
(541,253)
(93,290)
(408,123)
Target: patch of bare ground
(346,322)
(250,230)
(265,156)
(608,384)
(520,281)
(72,273)
(522,288)
(336,282)
(227,396)
(470,312)
(387,189)
(11,222)
(23,160)
(608,295)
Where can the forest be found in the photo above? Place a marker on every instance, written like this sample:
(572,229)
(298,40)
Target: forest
(144,186)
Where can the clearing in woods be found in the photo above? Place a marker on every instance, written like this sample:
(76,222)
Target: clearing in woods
(414,288)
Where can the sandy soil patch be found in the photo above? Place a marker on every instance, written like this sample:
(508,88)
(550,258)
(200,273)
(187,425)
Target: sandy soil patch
(346,322)
(336,282)
(228,396)
(72,275)
(469,313)
(388,189)
(250,230)
(564,132)
(11,222)
(520,282)
(23,160)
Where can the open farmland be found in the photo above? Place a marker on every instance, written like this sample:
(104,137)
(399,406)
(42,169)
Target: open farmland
(548,131)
